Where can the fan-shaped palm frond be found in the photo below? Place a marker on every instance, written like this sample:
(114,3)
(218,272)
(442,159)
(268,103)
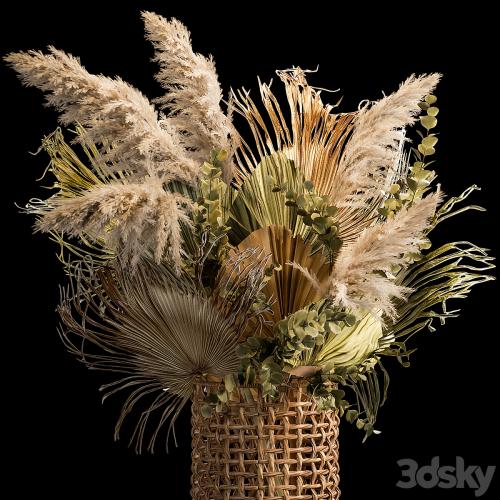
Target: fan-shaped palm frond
(313,136)
(313,258)
(257,204)
(289,286)
(158,330)
(312,140)
(316,140)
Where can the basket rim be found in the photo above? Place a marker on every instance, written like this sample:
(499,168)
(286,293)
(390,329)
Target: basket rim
(293,381)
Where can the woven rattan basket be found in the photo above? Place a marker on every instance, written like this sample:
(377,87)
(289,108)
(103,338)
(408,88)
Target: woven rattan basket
(286,449)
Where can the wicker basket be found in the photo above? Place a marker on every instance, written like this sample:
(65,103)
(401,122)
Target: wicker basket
(272,451)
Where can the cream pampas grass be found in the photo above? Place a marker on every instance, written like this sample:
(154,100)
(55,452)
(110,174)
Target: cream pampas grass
(361,276)
(206,254)
(128,218)
(374,146)
(350,157)
(193,94)
(113,113)
(122,201)
(122,215)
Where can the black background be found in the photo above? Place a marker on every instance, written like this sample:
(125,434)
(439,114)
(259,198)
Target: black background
(59,437)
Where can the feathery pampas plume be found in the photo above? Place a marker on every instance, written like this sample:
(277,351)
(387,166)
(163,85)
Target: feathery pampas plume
(130,218)
(355,282)
(193,92)
(373,148)
(114,114)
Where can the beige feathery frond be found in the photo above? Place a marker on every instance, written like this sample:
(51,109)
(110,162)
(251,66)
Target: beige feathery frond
(193,94)
(374,146)
(114,114)
(357,281)
(130,218)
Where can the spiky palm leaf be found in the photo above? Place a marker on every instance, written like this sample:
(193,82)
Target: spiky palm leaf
(74,174)
(446,273)
(313,136)
(347,237)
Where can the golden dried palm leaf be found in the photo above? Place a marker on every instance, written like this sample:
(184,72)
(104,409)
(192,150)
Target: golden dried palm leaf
(312,139)
(289,285)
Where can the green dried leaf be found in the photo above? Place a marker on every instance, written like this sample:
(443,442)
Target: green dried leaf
(428,122)
(222,395)
(206,411)
(229,383)
(309,185)
(351,415)
(427,151)
(276,378)
(331,211)
(249,375)
(211,398)
(222,155)
(254,342)
(430,141)
(244,351)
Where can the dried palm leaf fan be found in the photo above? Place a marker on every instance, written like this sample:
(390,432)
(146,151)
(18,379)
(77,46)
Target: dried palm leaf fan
(263,279)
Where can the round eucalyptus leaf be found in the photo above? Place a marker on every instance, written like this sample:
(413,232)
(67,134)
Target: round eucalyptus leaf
(429,141)
(428,122)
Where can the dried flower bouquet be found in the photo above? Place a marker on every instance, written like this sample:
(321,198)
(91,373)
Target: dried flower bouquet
(296,245)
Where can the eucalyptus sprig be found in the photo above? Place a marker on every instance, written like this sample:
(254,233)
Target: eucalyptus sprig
(318,214)
(407,190)
(294,343)
(300,335)
(210,230)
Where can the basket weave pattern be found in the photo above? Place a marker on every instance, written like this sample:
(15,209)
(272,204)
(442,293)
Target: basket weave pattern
(271,451)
